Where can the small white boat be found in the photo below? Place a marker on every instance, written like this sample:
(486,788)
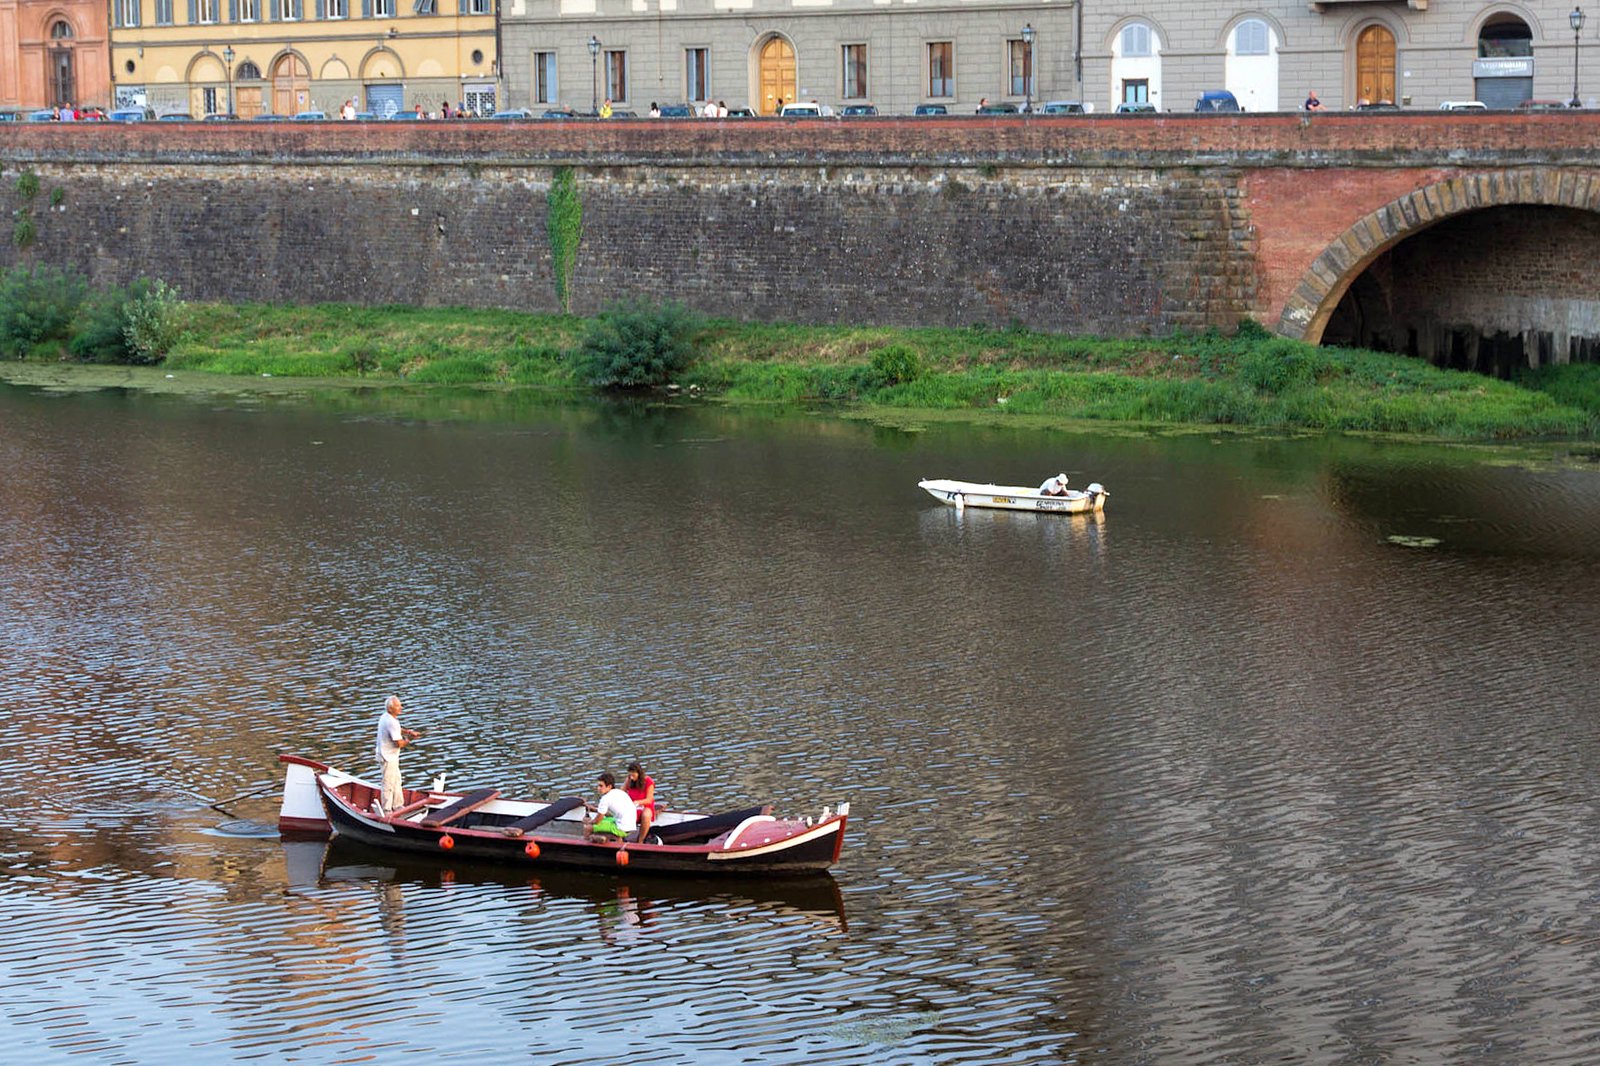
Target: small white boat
(959,494)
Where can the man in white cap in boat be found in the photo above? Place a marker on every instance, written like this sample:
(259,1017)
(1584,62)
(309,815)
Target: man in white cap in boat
(1056,486)
(391,738)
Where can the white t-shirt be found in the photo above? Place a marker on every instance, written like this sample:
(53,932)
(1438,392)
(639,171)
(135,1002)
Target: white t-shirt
(617,804)
(1051,487)
(388,746)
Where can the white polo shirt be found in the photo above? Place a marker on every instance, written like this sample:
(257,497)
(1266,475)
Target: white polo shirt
(388,746)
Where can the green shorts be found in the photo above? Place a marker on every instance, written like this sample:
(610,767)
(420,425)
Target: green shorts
(607,825)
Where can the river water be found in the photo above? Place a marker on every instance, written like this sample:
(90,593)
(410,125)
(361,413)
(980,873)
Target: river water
(1292,755)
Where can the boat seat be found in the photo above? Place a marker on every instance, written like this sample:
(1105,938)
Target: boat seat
(540,817)
(461,807)
(682,832)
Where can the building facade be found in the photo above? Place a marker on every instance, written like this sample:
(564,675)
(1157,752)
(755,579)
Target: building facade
(899,54)
(53,53)
(250,57)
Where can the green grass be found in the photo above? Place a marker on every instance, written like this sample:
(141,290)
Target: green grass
(1250,378)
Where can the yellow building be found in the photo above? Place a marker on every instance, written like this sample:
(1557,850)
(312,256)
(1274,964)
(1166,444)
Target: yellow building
(206,57)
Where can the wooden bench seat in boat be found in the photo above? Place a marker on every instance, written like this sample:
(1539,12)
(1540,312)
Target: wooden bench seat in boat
(461,807)
(540,817)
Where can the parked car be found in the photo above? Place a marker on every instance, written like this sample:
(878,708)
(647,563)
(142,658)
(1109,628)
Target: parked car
(513,112)
(850,110)
(1381,105)
(931,109)
(267,116)
(405,116)
(311,116)
(1463,105)
(1140,108)
(559,112)
(998,109)
(1542,105)
(131,114)
(1064,107)
(802,110)
(1217,100)
(741,112)
(367,116)
(220,118)
(10,116)
(176,116)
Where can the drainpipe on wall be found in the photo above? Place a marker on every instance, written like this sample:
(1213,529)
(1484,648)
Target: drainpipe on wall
(1077,49)
(501,100)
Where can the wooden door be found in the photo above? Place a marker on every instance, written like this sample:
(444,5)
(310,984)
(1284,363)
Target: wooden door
(291,86)
(777,75)
(1375,65)
(247,101)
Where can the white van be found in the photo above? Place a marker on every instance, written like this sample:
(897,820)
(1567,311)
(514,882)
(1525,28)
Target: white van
(1463,105)
(802,111)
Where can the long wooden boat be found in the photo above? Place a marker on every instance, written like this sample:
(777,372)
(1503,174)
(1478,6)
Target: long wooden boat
(959,494)
(319,800)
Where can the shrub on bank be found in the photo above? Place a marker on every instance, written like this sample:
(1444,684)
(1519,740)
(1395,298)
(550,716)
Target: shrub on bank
(37,308)
(636,345)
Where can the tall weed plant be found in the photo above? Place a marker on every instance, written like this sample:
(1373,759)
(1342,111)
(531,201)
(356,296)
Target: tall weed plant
(37,308)
(636,345)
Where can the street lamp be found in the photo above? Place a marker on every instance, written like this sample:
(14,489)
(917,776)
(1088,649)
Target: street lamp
(594,75)
(1576,18)
(1027,67)
(227,57)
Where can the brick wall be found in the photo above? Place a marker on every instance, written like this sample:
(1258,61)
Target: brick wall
(1099,225)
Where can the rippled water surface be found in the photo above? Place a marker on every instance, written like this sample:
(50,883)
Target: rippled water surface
(1239,771)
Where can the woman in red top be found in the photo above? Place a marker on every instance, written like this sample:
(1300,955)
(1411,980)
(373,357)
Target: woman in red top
(641,788)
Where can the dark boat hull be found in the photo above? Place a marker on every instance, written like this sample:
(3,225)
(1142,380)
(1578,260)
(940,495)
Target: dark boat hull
(806,854)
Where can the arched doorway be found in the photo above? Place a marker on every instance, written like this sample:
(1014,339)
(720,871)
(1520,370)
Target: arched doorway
(291,85)
(63,67)
(776,75)
(1375,65)
(1502,76)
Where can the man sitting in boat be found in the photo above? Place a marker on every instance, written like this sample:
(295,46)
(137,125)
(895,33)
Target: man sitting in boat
(1056,486)
(616,814)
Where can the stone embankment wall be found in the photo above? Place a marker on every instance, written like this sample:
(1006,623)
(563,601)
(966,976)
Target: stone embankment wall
(1111,225)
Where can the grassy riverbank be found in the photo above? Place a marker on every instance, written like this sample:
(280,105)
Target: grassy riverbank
(1249,379)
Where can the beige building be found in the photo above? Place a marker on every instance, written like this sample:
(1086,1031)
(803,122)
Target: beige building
(899,54)
(204,57)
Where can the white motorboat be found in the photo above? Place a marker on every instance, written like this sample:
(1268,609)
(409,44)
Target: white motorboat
(959,494)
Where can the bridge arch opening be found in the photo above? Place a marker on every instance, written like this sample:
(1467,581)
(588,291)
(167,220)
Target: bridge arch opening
(1493,290)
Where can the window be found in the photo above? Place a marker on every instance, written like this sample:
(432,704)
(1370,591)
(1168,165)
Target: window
(1252,38)
(425,7)
(1136,90)
(544,78)
(62,30)
(697,73)
(208,100)
(1021,68)
(207,10)
(617,75)
(942,68)
(479,7)
(855,72)
(249,10)
(127,15)
(383,9)
(286,12)
(163,12)
(247,71)
(1136,42)
(338,9)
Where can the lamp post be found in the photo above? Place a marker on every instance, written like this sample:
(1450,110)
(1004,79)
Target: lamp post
(1027,67)
(594,75)
(1576,18)
(227,57)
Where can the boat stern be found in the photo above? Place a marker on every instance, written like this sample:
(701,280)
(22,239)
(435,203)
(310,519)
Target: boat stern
(301,813)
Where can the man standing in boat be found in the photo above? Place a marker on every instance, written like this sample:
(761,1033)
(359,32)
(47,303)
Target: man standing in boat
(391,738)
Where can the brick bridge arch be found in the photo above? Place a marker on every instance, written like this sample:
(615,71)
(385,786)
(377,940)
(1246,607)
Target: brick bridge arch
(1308,308)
